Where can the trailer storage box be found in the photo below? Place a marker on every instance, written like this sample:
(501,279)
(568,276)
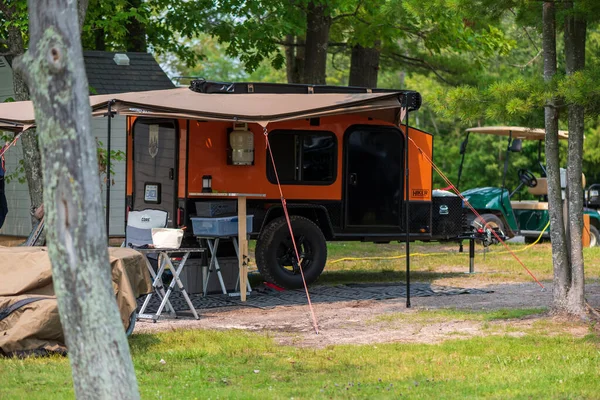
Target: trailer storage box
(448,216)
(218,227)
(215,208)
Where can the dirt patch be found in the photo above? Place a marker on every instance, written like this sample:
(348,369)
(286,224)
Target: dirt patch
(357,322)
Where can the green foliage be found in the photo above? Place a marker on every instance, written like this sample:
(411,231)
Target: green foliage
(115,155)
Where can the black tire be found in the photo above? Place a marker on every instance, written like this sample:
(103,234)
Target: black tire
(274,252)
(492,221)
(594,236)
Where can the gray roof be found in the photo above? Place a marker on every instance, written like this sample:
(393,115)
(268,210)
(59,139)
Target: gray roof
(106,77)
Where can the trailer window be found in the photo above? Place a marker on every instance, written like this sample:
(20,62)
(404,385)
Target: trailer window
(303,157)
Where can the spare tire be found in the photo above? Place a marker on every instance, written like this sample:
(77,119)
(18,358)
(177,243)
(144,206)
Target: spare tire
(275,252)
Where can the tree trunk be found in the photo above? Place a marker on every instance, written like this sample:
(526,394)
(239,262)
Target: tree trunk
(560,258)
(31,151)
(575,35)
(82,6)
(294,59)
(54,69)
(364,66)
(318,22)
(136,39)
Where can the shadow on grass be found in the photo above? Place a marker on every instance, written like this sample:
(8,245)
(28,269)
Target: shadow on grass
(139,343)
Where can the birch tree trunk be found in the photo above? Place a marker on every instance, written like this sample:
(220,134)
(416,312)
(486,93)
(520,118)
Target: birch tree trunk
(53,67)
(575,36)
(560,260)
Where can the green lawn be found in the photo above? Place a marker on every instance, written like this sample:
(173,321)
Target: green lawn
(544,361)
(350,262)
(232,364)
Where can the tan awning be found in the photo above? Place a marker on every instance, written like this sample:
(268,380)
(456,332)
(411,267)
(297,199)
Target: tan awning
(259,108)
(518,132)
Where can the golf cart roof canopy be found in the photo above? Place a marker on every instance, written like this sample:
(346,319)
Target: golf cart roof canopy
(260,108)
(517,132)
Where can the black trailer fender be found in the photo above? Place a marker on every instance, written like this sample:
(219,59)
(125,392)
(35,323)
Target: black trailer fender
(314,212)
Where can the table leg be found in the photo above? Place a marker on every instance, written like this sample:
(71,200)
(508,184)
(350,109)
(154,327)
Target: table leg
(243,246)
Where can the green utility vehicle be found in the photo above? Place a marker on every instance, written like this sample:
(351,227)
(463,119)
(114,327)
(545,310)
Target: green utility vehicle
(498,207)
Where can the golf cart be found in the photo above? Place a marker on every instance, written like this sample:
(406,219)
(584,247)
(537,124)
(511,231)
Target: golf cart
(498,206)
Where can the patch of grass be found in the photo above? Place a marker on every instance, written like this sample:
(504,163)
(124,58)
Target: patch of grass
(451,314)
(239,365)
(431,262)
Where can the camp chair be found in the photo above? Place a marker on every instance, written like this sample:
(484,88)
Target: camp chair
(138,235)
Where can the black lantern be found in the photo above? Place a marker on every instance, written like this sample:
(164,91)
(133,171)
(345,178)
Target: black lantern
(206,184)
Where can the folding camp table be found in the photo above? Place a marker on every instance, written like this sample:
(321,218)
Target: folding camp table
(242,252)
(213,247)
(164,258)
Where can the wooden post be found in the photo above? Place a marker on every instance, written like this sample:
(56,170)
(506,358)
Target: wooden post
(585,239)
(243,246)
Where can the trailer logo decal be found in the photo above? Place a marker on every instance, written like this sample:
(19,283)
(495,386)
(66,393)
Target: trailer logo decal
(153,140)
(420,192)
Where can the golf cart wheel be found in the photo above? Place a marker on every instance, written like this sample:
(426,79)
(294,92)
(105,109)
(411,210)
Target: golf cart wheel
(491,220)
(594,236)
(275,255)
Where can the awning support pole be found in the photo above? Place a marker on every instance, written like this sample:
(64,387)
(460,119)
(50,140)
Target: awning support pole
(407,207)
(109,114)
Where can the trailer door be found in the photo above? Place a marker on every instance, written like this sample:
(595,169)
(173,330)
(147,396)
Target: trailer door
(373,176)
(155,166)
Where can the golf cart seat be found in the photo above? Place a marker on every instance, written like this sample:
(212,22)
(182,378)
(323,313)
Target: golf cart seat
(541,189)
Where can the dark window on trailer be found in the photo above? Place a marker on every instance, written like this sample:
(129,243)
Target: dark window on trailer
(303,157)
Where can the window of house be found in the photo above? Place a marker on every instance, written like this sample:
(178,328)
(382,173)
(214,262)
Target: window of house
(303,157)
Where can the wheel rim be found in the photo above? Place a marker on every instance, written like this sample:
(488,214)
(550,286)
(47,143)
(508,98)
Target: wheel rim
(285,254)
(593,240)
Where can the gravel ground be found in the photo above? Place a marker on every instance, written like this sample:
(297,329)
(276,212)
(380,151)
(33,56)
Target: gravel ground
(361,322)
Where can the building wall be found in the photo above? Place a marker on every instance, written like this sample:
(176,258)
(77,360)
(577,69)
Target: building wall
(6,80)
(18,220)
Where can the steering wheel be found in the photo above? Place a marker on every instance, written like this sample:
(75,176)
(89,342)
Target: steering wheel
(527,178)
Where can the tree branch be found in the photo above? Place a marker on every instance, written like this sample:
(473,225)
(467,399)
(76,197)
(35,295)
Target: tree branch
(526,33)
(353,14)
(528,62)
(419,62)
(290,44)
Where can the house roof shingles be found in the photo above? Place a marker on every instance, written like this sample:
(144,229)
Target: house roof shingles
(106,77)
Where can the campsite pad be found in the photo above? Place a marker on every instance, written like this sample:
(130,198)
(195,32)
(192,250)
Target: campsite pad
(265,298)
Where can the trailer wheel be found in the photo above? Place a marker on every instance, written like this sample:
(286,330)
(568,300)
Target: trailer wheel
(275,252)
(594,236)
(492,221)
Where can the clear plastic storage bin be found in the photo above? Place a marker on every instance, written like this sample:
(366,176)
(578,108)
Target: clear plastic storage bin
(219,226)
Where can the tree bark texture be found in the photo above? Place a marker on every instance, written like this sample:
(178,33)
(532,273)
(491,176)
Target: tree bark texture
(575,36)
(82,6)
(294,59)
(54,69)
(318,22)
(29,140)
(364,66)
(560,258)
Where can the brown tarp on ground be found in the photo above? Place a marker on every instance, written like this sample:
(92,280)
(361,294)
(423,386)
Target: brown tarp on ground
(26,273)
(259,108)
